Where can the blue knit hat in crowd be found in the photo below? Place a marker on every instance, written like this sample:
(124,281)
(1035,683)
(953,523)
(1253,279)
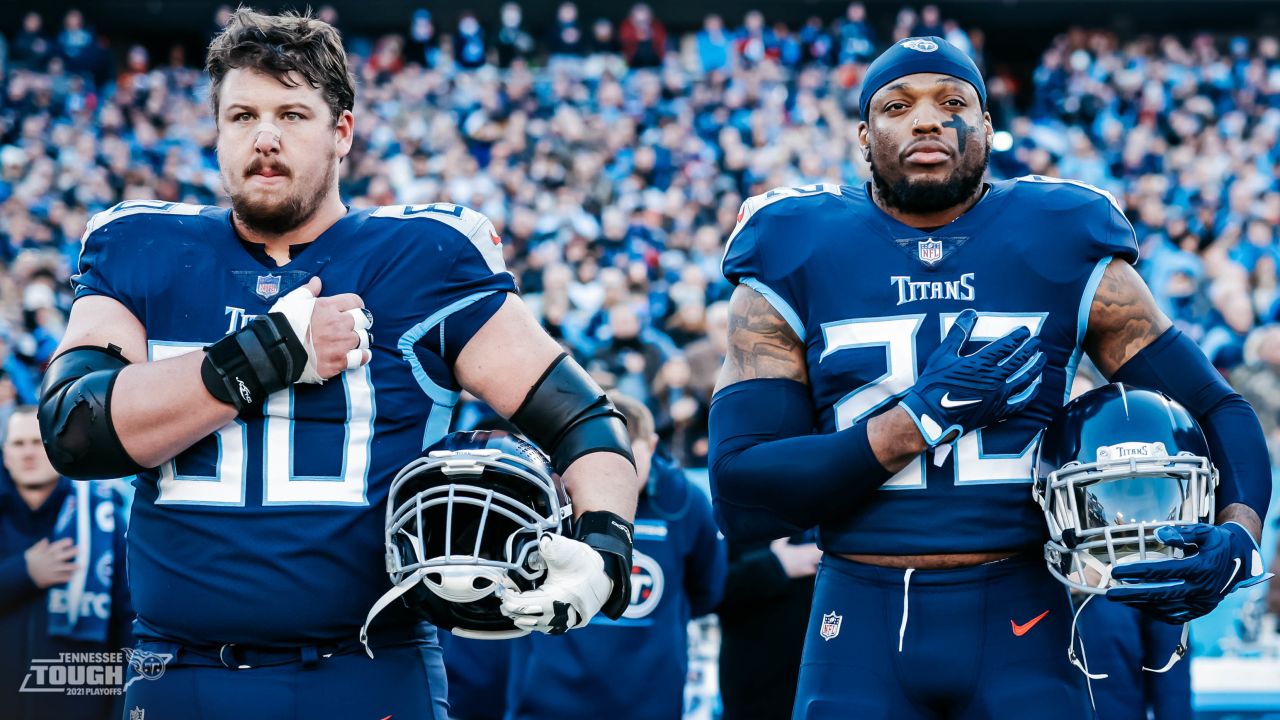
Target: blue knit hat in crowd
(920,55)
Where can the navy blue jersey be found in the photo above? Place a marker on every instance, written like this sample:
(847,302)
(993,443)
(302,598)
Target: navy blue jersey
(270,531)
(633,667)
(871,298)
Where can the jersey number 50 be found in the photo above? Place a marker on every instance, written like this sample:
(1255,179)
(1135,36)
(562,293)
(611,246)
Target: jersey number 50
(280,486)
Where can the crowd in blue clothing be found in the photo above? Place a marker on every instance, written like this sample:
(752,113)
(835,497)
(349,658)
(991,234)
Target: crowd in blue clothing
(613,159)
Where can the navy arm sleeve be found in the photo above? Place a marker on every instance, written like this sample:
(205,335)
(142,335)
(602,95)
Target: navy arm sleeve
(770,475)
(707,560)
(1174,365)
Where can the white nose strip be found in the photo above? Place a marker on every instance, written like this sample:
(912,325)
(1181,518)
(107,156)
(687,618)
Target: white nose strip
(267,127)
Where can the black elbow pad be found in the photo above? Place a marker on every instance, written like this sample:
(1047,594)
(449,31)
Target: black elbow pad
(568,415)
(75,416)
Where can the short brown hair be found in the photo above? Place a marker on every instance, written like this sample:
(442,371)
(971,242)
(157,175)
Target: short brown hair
(639,419)
(279,45)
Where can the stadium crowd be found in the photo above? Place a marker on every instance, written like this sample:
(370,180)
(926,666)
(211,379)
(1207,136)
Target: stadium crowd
(613,160)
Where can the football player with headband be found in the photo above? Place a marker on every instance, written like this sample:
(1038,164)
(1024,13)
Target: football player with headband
(265,371)
(896,350)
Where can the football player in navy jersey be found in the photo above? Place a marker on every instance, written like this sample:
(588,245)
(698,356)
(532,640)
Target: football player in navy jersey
(228,358)
(895,351)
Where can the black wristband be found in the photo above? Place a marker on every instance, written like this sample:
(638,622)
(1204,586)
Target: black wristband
(243,368)
(611,536)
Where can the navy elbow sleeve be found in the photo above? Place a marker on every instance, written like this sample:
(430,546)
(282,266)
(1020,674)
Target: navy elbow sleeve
(771,476)
(1174,365)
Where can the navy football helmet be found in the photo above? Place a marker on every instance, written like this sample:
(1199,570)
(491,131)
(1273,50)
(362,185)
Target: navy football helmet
(463,520)
(1116,464)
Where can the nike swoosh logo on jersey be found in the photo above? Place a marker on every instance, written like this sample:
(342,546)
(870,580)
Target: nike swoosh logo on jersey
(947,402)
(1020,630)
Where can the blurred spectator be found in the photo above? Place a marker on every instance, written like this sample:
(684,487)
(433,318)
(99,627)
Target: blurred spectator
(643,38)
(422,44)
(706,355)
(680,413)
(512,42)
(31,48)
(857,39)
(755,42)
(63,584)
(815,42)
(930,23)
(469,49)
(715,47)
(566,37)
(75,45)
(603,41)
(632,354)
(24,383)
(1258,379)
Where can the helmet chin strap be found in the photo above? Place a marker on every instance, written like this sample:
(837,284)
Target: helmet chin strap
(1177,654)
(387,598)
(1081,664)
(1104,571)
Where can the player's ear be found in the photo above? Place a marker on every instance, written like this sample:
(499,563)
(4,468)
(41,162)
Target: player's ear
(864,140)
(986,123)
(344,132)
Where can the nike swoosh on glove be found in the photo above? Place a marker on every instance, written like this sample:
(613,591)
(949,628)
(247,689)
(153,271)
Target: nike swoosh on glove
(967,392)
(574,591)
(1225,558)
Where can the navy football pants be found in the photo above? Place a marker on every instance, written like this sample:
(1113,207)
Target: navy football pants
(1120,641)
(403,682)
(981,643)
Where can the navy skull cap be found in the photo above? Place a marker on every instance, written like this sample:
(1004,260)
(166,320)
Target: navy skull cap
(920,55)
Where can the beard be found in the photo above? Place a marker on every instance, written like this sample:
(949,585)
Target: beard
(923,196)
(279,217)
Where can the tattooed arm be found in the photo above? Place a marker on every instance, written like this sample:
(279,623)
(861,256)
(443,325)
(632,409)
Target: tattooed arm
(1123,321)
(762,345)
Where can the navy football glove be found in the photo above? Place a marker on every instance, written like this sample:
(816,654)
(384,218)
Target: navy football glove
(967,392)
(1225,558)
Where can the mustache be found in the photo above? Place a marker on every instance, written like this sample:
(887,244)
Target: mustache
(258,165)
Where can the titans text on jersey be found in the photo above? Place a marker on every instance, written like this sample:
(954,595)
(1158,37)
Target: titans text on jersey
(269,531)
(871,298)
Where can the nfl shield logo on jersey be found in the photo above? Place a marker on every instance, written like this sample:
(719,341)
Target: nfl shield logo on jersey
(137,713)
(930,251)
(268,286)
(830,625)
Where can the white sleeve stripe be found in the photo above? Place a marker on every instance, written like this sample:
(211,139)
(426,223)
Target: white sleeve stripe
(754,204)
(138,207)
(1064,181)
(784,309)
(475,226)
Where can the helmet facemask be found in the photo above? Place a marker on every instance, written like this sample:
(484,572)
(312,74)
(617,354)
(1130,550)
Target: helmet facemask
(463,524)
(1104,514)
